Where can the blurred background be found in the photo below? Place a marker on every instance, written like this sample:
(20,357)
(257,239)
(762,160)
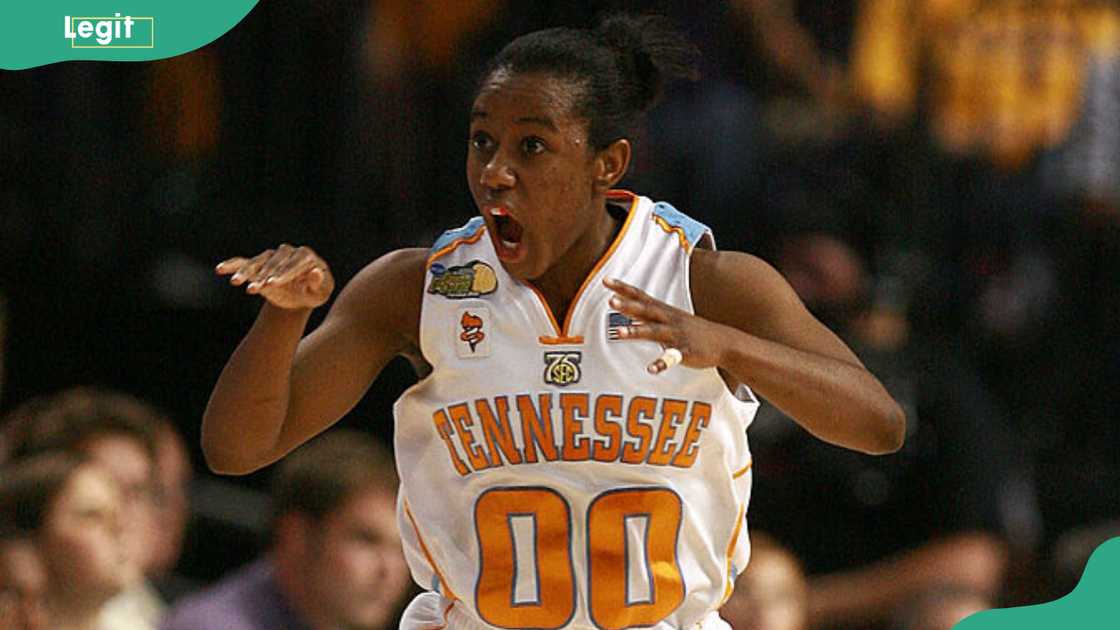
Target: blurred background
(939,180)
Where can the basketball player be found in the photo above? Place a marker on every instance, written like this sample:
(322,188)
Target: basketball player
(574,455)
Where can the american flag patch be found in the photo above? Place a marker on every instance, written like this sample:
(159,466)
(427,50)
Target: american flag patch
(616,322)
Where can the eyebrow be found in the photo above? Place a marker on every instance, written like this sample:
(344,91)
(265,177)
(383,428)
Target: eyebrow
(535,120)
(532,120)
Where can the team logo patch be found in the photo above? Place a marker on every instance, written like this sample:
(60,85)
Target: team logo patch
(473,279)
(472,329)
(616,322)
(562,368)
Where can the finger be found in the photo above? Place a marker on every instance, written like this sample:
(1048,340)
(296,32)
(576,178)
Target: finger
(660,333)
(669,358)
(628,290)
(299,275)
(272,266)
(647,311)
(230,265)
(293,269)
(250,270)
(315,278)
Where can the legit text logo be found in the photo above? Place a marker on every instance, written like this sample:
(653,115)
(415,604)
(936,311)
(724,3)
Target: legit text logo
(111,32)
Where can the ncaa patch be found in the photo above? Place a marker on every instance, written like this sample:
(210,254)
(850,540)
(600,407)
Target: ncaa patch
(562,368)
(473,332)
(471,280)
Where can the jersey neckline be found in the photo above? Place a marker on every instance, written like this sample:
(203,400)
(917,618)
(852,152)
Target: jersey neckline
(563,332)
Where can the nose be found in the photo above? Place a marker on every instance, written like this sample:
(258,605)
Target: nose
(497,173)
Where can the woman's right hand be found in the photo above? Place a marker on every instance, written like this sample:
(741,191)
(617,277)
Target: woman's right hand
(288,277)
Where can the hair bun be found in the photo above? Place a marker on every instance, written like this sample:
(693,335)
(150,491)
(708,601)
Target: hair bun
(651,51)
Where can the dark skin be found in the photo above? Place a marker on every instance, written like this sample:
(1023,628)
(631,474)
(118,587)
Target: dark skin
(529,156)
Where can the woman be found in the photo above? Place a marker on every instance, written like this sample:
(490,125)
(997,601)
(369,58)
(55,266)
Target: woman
(554,474)
(71,509)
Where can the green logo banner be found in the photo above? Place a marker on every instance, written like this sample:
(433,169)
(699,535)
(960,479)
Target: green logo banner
(41,33)
(1092,605)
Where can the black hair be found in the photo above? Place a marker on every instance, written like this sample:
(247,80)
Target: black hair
(620,68)
(70,419)
(321,476)
(29,486)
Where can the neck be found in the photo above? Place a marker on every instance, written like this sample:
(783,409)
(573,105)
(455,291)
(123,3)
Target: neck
(74,614)
(289,575)
(560,284)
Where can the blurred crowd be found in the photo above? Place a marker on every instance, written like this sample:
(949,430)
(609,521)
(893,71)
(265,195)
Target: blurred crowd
(938,179)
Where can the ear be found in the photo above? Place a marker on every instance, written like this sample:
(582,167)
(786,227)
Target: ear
(292,534)
(611,164)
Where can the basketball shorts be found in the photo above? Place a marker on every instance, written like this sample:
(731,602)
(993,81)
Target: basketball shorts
(432,611)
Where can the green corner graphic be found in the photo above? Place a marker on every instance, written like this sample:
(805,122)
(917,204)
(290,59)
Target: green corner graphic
(1092,605)
(50,31)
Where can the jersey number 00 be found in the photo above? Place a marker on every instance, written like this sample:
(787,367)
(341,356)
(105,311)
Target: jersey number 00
(612,517)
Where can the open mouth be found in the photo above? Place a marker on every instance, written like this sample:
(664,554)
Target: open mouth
(509,233)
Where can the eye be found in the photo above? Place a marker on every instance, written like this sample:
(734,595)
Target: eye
(533,146)
(481,141)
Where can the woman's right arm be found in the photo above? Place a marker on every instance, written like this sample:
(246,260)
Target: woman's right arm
(278,390)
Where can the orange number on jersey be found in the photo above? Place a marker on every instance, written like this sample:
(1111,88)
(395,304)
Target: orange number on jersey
(611,557)
(497,575)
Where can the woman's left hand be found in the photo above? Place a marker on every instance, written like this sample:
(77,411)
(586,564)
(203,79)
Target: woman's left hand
(699,341)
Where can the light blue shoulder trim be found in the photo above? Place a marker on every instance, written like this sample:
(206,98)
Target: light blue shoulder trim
(672,220)
(461,233)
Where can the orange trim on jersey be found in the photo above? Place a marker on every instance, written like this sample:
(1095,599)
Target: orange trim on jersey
(730,551)
(561,341)
(562,331)
(547,309)
(672,228)
(742,471)
(427,554)
(453,245)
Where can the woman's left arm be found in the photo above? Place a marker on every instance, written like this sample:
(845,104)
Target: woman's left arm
(750,324)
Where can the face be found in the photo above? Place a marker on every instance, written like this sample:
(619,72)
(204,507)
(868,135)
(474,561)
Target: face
(356,569)
(770,595)
(173,473)
(532,174)
(131,467)
(80,540)
(23,585)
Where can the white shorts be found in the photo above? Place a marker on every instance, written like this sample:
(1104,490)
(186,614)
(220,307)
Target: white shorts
(432,611)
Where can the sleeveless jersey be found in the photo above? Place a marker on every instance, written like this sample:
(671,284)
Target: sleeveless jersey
(547,479)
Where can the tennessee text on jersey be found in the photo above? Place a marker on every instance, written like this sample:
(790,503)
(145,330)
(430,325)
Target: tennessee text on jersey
(473,279)
(549,484)
(641,430)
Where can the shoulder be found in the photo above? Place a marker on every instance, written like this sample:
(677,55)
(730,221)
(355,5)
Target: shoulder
(690,232)
(390,273)
(733,287)
(386,294)
(469,232)
(227,604)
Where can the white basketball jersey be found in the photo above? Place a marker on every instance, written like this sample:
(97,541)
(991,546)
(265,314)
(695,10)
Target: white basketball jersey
(547,479)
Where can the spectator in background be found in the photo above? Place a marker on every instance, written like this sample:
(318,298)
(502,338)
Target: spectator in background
(336,558)
(71,508)
(119,433)
(174,472)
(23,581)
(772,593)
(875,532)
